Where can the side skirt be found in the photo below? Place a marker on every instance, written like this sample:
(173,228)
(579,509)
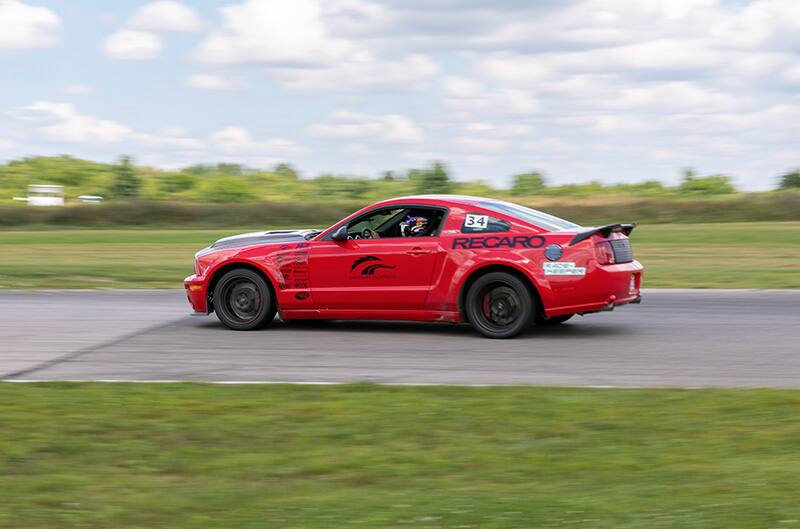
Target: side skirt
(354,314)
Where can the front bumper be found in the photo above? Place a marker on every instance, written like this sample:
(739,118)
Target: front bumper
(196,292)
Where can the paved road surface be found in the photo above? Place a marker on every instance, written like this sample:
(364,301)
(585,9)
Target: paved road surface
(675,338)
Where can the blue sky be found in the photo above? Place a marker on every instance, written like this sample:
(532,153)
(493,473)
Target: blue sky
(610,90)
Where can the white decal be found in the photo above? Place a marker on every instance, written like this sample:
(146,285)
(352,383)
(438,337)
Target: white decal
(563,269)
(476,222)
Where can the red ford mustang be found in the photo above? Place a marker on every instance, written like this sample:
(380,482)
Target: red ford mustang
(494,264)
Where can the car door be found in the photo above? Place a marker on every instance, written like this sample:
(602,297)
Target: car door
(374,274)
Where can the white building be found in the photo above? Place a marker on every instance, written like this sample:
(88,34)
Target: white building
(44,195)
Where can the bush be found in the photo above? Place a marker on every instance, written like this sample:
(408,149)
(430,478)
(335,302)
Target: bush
(125,184)
(431,181)
(223,189)
(791,180)
(157,213)
(528,184)
(784,206)
(706,185)
(172,183)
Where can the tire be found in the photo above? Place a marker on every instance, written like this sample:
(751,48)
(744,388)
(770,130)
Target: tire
(555,320)
(243,300)
(499,305)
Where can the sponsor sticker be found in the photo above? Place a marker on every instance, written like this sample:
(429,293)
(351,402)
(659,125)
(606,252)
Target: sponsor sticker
(563,269)
(496,241)
(476,222)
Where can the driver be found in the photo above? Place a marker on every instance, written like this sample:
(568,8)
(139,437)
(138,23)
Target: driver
(416,226)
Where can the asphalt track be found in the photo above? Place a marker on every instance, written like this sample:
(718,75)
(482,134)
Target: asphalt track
(674,338)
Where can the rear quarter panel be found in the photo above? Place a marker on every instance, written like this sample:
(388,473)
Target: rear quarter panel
(521,248)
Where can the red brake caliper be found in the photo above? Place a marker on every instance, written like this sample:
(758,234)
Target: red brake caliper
(486,310)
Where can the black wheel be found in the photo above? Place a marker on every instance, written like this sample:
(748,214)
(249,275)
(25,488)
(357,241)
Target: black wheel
(555,320)
(499,305)
(243,300)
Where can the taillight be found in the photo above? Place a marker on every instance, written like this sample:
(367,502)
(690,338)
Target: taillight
(604,253)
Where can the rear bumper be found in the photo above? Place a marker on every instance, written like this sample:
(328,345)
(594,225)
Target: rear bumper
(603,289)
(195,287)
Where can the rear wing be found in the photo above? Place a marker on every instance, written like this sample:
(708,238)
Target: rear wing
(605,231)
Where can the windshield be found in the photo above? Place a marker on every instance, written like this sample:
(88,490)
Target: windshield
(535,217)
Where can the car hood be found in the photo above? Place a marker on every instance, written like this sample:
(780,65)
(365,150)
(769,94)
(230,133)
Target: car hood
(260,237)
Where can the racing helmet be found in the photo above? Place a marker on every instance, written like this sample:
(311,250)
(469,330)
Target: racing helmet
(415,226)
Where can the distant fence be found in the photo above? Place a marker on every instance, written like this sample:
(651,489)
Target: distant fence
(739,208)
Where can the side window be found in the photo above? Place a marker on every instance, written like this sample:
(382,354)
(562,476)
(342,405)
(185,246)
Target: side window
(396,223)
(373,221)
(479,223)
(414,222)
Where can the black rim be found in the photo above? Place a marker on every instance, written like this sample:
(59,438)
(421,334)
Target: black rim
(242,300)
(501,306)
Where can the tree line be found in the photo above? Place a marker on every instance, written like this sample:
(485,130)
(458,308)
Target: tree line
(230,182)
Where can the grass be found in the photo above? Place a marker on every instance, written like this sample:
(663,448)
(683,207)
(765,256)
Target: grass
(735,255)
(199,456)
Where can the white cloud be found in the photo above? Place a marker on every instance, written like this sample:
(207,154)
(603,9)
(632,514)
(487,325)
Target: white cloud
(358,149)
(584,89)
(166,15)
(237,141)
(422,155)
(346,125)
(173,139)
(508,130)
(131,45)
(481,145)
(488,138)
(524,70)
(792,74)
(362,74)
(138,39)
(549,147)
(472,96)
(678,95)
(62,123)
(780,122)
(296,42)
(603,94)
(78,89)
(273,32)
(462,88)
(7,145)
(214,82)
(24,26)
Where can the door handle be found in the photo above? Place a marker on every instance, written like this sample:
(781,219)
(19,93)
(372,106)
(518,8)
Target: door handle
(418,251)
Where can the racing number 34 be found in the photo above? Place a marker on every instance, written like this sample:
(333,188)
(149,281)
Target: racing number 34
(479,222)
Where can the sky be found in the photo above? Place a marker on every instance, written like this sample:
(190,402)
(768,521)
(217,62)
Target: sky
(608,90)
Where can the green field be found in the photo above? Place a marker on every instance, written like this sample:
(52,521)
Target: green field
(734,255)
(200,456)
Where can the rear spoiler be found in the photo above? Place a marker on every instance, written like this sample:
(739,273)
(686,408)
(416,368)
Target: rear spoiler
(605,231)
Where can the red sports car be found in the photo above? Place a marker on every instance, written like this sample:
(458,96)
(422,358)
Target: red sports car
(494,264)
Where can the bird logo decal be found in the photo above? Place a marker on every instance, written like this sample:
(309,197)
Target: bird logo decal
(370,269)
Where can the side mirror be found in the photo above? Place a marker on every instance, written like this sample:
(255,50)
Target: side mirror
(340,234)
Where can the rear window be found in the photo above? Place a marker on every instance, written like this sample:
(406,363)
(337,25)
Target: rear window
(533,216)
